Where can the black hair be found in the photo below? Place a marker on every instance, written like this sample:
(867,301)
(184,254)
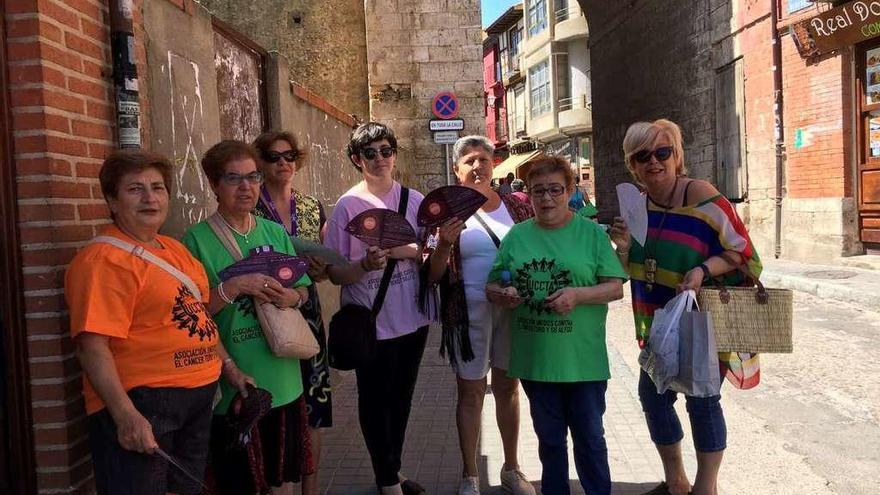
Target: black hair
(365,134)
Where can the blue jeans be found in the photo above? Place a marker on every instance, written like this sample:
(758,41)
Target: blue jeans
(557,408)
(707,419)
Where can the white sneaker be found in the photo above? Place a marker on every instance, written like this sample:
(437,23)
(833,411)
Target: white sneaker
(515,482)
(470,485)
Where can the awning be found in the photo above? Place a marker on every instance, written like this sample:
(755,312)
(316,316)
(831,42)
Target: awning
(512,163)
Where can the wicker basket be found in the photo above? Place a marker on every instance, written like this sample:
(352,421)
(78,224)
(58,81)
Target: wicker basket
(749,319)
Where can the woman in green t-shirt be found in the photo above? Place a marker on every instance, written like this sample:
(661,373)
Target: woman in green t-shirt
(558,272)
(277,449)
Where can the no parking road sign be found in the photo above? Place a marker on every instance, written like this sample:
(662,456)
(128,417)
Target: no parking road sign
(445,105)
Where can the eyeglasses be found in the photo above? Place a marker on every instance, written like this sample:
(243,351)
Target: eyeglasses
(289,156)
(555,191)
(372,153)
(661,154)
(237,179)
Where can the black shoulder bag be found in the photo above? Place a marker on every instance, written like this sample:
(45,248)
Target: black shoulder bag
(352,341)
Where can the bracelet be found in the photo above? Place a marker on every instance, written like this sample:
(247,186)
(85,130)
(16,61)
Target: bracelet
(223,295)
(706,274)
(227,362)
(621,251)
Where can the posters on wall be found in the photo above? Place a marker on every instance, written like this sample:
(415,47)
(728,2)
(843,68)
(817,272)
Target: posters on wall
(872,76)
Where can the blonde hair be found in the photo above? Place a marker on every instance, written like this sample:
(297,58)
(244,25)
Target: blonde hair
(641,135)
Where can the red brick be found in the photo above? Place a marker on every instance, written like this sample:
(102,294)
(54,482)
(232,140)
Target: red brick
(87,8)
(38,120)
(21,7)
(84,46)
(34,27)
(67,233)
(96,31)
(100,110)
(56,10)
(48,326)
(65,58)
(48,97)
(94,89)
(88,169)
(62,481)
(100,150)
(65,457)
(43,166)
(93,212)
(59,368)
(19,74)
(53,347)
(96,71)
(50,189)
(43,213)
(60,391)
(91,130)
(68,433)
(49,280)
(28,50)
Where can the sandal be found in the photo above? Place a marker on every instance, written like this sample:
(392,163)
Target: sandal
(411,487)
(661,489)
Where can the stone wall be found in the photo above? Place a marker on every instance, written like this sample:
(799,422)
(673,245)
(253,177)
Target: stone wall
(415,49)
(324,42)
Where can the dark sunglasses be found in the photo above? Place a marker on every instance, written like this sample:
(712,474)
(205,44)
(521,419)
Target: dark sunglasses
(289,156)
(372,153)
(662,153)
(237,179)
(555,191)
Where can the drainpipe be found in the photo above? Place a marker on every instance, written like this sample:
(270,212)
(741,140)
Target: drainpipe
(779,126)
(125,77)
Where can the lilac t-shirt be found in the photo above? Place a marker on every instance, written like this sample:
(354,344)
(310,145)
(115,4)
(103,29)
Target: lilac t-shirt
(400,313)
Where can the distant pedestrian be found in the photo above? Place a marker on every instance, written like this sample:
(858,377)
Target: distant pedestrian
(518,187)
(506,186)
(149,349)
(562,274)
(693,233)
(476,334)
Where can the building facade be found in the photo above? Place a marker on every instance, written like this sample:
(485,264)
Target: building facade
(495,107)
(545,67)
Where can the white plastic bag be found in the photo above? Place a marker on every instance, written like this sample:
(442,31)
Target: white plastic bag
(659,358)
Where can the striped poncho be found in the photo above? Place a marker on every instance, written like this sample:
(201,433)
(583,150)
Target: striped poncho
(689,236)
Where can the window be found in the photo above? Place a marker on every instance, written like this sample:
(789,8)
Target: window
(795,5)
(498,70)
(537,16)
(563,78)
(519,112)
(585,152)
(516,35)
(539,84)
(730,131)
(561,10)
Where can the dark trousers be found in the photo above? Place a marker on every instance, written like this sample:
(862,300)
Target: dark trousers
(557,408)
(385,390)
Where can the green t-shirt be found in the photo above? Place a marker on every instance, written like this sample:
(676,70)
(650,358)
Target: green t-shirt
(546,346)
(239,328)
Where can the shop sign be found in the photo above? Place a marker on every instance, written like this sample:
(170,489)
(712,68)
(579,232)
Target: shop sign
(841,26)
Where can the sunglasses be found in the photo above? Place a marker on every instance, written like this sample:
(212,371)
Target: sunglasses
(289,156)
(372,153)
(237,179)
(662,153)
(555,191)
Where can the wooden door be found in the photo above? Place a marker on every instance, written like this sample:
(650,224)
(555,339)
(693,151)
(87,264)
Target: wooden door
(17,473)
(868,178)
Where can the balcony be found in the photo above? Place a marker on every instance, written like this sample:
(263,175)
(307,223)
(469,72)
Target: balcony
(575,114)
(511,68)
(501,131)
(570,24)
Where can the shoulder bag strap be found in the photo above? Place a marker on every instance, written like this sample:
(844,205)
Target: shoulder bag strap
(222,232)
(392,263)
(494,237)
(149,257)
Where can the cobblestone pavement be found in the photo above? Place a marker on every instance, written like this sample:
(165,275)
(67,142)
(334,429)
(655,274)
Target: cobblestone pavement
(431,453)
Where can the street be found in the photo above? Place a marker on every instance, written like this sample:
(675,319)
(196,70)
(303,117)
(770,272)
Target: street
(811,426)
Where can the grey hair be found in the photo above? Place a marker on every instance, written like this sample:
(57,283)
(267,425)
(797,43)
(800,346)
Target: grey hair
(472,141)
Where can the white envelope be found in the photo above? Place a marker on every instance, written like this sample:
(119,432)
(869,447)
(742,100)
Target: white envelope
(633,210)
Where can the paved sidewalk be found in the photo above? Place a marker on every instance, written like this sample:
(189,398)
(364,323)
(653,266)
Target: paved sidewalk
(431,453)
(840,280)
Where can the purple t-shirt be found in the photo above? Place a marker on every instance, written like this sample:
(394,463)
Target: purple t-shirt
(400,313)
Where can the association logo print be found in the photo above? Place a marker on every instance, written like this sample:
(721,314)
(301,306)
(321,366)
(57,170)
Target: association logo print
(190,315)
(244,304)
(537,279)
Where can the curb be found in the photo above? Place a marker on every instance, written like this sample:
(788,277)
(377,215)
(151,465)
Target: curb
(860,295)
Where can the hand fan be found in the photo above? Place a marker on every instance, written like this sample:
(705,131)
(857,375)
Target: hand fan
(381,227)
(284,268)
(446,202)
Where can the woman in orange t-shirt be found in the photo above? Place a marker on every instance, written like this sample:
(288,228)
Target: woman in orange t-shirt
(148,347)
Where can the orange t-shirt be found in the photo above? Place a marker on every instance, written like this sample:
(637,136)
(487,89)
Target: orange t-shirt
(160,335)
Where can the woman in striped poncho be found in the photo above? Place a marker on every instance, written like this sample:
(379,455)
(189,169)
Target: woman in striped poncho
(693,233)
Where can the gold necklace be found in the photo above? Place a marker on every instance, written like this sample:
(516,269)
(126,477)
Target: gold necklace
(243,234)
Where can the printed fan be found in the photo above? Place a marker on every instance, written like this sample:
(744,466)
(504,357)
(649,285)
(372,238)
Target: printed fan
(381,227)
(282,267)
(446,202)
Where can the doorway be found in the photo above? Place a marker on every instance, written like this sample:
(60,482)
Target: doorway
(17,473)
(868,176)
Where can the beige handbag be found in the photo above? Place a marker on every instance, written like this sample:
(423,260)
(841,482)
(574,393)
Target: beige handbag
(287,332)
(749,319)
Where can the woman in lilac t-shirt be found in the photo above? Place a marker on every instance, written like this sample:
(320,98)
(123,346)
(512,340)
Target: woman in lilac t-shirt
(385,387)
